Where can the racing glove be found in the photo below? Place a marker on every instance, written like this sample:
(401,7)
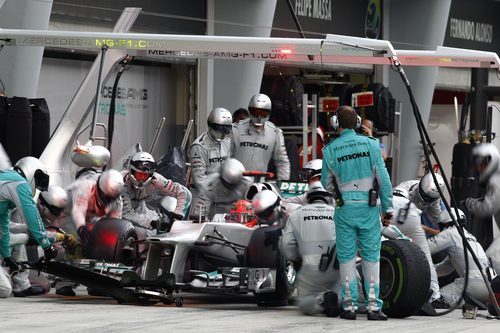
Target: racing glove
(50,253)
(12,264)
(70,241)
(386,220)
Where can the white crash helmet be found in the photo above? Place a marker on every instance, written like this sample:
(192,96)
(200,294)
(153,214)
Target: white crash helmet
(428,189)
(220,123)
(31,169)
(256,188)
(142,166)
(266,207)
(487,156)
(109,187)
(317,193)
(53,201)
(232,172)
(262,103)
(311,169)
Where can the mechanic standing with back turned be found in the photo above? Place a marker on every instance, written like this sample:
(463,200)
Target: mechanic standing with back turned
(354,170)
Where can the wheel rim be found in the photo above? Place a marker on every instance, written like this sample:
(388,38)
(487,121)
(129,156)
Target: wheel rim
(291,274)
(387,277)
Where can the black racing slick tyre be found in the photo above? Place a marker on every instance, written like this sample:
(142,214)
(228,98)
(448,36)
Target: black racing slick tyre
(404,278)
(111,240)
(285,285)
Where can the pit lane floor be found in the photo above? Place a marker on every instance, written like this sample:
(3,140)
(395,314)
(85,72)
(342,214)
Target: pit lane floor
(201,313)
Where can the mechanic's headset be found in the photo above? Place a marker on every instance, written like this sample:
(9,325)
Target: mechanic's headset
(334,121)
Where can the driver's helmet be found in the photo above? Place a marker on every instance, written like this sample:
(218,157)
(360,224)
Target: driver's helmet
(428,189)
(232,172)
(241,212)
(109,187)
(266,206)
(220,123)
(485,158)
(311,169)
(52,202)
(142,166)
(35,173)
(259,109)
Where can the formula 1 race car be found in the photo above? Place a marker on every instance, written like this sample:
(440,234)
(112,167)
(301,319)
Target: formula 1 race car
(221,256)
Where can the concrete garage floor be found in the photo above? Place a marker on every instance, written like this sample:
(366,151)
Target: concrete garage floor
(201,313)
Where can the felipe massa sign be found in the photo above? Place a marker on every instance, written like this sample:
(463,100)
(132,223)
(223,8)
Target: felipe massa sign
(473,25)
(359,18)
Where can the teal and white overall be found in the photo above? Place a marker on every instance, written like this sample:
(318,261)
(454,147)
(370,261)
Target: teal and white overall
(356,161)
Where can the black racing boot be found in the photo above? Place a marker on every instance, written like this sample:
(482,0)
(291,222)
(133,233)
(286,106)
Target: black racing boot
(31,291)
(377,315)
(349,315)
(65,291)
(331,304)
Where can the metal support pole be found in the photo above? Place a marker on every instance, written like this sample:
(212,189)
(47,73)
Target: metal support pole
(305,129)
(97,93)
(482,228)
(314,126)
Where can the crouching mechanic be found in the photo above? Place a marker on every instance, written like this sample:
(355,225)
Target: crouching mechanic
(486,160)
(223,189)
(449,242)
(309,242)
(17,188)
(407,219)
(94,198)
(311,173)
(142,184)
(51,205)
(354,170)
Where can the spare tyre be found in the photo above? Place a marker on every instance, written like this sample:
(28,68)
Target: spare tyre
(404,278)
(110,240)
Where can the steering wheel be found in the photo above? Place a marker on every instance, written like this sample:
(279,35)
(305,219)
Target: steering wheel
(258,176)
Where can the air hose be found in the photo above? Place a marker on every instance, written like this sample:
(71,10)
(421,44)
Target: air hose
(424,137)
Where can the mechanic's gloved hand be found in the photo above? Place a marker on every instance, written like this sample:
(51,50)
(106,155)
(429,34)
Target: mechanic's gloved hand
(59,237)
(50,253)
(468,203)
(272,238)
(12,264)
(84,235)
(70,241)
(387,219)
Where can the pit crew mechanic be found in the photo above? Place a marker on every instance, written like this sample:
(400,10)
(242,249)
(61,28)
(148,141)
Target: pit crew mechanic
(407,217)
(311,173)
(309,241)
(449,242)
(486,160)
(142,183)
(16,190)
(352,168)
(256,141)
(225,188)
(207,153)
(94,198)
